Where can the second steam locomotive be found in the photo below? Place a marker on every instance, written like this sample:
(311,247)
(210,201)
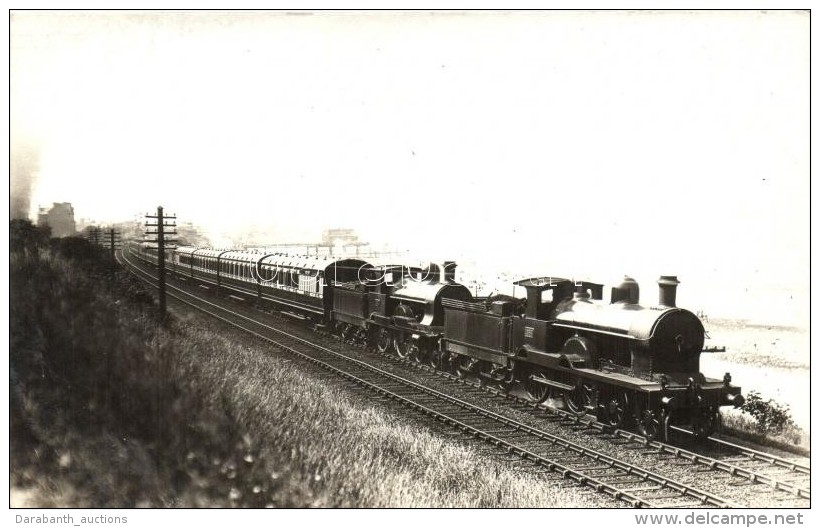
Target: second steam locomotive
(625,363)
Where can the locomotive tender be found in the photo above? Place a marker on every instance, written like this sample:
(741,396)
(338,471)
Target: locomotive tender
(624,363)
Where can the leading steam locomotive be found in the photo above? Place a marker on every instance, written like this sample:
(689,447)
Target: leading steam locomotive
(624,363)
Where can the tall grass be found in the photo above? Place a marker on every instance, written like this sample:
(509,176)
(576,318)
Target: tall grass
(110,409)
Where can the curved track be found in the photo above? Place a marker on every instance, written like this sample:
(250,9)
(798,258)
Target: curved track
(615,478)
(745,463)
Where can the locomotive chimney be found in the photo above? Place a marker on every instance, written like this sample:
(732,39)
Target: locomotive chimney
(667,290)
(449,271)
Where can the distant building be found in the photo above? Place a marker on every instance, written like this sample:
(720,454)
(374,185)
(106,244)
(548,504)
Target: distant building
(60,218)
(336,237)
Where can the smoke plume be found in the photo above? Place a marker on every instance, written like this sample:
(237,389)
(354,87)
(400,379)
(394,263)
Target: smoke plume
(24,168)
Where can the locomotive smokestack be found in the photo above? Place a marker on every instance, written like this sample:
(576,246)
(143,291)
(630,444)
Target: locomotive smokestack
(449,271)
(667,290)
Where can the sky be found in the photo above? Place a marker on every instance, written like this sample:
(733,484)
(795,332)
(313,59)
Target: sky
(586,144)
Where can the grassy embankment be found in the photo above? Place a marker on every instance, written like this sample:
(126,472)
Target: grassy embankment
(110,410)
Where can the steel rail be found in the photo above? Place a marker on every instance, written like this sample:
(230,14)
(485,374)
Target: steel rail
(540,460)
(662,447)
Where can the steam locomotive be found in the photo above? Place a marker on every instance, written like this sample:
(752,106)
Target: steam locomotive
(624,363)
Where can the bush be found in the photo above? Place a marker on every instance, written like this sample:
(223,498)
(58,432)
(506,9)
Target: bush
(771,417)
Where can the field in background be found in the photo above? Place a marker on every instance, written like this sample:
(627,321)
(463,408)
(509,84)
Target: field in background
(760,345)
(773,360)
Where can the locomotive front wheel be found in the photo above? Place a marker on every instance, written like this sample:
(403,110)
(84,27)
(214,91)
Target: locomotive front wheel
(704,423)
(649,424)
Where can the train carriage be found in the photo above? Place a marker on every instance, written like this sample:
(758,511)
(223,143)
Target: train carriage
(296,286)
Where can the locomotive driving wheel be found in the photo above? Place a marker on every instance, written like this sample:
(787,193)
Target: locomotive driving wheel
(497,375)
(435,358)
(347,332)
(402,344)
(616,410)
(414,351)
(536,390)
(464,366)
(383,340)
(582,399)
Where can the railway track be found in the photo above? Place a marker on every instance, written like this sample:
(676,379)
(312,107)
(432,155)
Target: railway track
(756,467)
(545,452)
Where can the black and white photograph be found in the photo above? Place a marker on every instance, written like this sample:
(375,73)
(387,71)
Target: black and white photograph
(409,259)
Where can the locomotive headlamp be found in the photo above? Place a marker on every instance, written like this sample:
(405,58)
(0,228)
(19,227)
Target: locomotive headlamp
(727,379)
(671,402)
(735,399)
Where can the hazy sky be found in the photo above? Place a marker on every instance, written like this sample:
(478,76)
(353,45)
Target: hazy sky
(599,142)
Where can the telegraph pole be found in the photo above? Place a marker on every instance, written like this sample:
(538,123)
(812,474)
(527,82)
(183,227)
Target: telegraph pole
(113,246)
(165,227)
(94,235)
(163,221)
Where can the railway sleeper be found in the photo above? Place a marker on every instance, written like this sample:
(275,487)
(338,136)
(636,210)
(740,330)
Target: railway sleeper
(594,467)
(645,488)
